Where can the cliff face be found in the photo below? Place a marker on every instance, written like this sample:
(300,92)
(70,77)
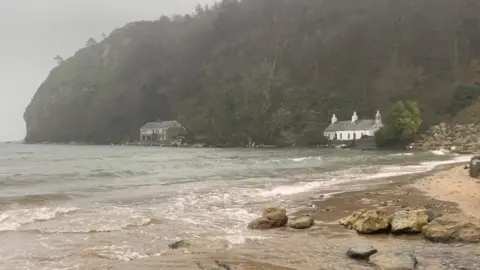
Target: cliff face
(261,71)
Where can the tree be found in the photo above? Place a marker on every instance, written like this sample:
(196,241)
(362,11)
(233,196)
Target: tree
(103,36)
(199,10)
(403,123)
(91,42)
(58,59)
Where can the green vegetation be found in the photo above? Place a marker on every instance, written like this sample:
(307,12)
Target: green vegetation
(402,123)
(463,97)
(263,71)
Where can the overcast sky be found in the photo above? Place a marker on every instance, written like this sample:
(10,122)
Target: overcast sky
(35,31)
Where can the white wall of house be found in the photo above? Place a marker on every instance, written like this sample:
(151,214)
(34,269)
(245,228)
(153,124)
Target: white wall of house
(148,134)
(348,135)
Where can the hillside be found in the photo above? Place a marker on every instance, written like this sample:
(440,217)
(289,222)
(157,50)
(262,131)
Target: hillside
(264,71)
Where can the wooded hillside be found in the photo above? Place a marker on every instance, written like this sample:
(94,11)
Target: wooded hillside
(264,71)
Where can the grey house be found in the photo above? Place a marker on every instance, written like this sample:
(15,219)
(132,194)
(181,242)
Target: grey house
(354,129)
(165,131)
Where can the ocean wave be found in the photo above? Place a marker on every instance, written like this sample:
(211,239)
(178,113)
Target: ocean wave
(99,220)
(394,171)
(114,252)
(300,159)
(119,174)
(401,154)
(441,152)
(360,174)
(14,219)
(34,199)
(298,188)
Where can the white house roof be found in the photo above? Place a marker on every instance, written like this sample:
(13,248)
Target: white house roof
(364,124)
(164,124)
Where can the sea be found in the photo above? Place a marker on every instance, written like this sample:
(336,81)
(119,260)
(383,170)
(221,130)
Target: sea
(118,207)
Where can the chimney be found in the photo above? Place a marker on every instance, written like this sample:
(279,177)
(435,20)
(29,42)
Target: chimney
(354,117)
(334,119)
(378,118)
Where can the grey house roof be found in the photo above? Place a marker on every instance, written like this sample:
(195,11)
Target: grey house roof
(164,124)
(364,124)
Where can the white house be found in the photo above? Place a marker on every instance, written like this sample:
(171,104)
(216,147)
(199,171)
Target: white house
(160,131)
(354,129)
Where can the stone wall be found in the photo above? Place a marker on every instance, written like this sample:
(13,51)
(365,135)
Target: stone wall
(461,138)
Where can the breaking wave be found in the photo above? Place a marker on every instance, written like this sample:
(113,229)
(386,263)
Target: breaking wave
(14,219)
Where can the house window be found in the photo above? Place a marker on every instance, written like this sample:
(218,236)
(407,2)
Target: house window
(348,136)
(340,136)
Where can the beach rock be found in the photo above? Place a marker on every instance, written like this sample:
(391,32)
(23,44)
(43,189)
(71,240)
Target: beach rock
(474,168)
(351,219)
(179,244)
(409,221)
(303,222)
(272,217)
(394,260)
(453,228)
(361,252)
(363,221)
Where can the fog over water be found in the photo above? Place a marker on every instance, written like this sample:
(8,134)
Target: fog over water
(33,32)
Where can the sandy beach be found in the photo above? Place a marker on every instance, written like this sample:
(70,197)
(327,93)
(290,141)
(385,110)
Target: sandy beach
(447,189)
(453,185)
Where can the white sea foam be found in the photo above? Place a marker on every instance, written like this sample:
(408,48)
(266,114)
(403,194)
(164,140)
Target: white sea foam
(392,171)
(341,177)
(113,252)
(298,188)
(14,219)
(300,159)
(441,152)
(105,219)
(401,154)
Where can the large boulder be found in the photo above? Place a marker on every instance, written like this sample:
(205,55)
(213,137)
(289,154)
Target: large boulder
(303,222)
(474,168)
(272,217)
(361,252)
(363,221)
(410,221)
(394,260)
(453,228)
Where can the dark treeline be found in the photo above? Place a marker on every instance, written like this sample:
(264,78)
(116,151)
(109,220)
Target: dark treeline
(263,71)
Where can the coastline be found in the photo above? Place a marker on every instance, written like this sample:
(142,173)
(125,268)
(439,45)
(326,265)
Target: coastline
(327,236)
(432,190)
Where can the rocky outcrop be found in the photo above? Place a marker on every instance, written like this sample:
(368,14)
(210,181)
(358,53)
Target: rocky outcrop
(303,222)
(179,244)
(453,228)
(461,138)
(361,252)
(394,260)
(363,221)
(272,217)
(410,221)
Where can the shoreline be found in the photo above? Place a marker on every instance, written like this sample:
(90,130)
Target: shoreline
(430,190)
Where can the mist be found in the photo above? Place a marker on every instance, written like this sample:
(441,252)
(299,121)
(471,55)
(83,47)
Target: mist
(34,32)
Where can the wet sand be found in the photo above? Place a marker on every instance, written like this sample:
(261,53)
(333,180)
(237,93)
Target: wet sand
(448,189)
